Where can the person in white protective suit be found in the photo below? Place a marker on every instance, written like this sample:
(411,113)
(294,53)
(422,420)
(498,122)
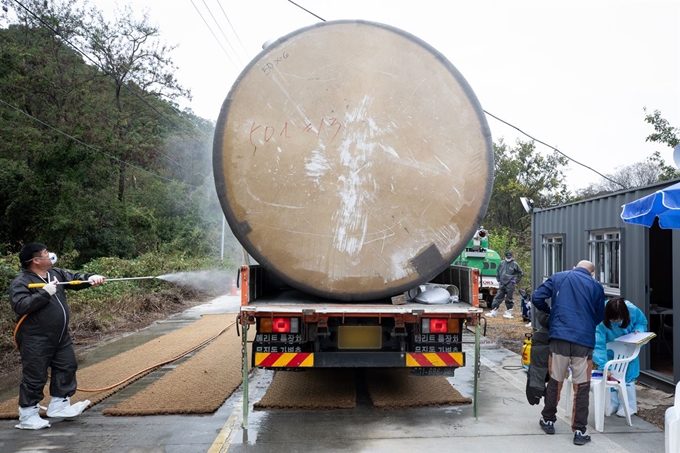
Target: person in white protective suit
(42,335)
(621,317)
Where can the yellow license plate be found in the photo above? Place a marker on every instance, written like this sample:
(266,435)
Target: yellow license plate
(359,337)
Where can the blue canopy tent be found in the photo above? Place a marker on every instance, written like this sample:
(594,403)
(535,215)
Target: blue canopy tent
(664,204)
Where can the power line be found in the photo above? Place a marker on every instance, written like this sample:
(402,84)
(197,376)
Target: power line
(304,9)
(555,149)
(505,122)
(222,31)
(98,112)
(233,29)
(92,147)
(40,19)
(215,36)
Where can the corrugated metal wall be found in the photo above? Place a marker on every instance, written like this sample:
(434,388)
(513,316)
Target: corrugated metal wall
(575,221)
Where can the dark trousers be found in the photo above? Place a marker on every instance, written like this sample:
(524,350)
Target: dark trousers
(504,291)
(37,354)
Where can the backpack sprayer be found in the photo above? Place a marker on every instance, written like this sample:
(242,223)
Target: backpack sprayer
(80,282)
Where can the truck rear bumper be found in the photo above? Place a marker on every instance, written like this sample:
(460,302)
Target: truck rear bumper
(360,360)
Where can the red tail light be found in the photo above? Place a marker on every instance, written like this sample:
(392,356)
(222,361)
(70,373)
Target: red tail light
(438,325)
(281,325)
(434,325)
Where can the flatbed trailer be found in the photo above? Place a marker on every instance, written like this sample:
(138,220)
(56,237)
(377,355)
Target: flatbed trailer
(298,331)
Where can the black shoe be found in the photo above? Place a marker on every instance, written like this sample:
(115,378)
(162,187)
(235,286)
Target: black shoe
(548,427)
(581,438)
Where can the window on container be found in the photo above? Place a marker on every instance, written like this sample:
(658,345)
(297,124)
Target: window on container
(605,255)
(552,255)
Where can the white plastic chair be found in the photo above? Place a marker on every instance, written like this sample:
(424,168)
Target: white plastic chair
(672,425)
(624,353)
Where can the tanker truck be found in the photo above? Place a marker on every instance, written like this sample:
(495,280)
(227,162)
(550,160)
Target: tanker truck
(353,163)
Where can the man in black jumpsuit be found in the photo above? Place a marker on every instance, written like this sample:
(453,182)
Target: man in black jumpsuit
(43,337)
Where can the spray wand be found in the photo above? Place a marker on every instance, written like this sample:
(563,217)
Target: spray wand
(80,282)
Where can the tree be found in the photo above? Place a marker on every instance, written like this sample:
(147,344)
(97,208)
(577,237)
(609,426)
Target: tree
(129,51)
(649,171)
(627,177)
(523,172)
(68,129)
(664,134)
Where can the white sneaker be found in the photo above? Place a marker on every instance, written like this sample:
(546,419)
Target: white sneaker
(528,325)
(508,315)
(29,418)
(62,407)
(492,313)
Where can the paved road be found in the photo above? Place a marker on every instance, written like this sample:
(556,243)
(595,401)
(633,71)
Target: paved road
(507,423)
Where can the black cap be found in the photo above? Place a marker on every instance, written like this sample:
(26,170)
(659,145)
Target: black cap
(508,254)
(28,252)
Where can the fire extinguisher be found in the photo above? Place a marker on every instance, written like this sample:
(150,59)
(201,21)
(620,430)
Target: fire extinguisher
(526,351)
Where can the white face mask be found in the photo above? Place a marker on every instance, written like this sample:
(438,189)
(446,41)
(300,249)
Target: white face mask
(53,258)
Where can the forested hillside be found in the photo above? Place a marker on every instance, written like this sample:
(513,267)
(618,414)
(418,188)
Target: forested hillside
(95,155)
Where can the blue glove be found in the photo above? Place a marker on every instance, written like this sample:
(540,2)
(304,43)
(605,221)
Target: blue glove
(513,281)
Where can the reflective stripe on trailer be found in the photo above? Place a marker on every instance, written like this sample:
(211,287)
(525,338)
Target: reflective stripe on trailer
(434,359)
(284,359)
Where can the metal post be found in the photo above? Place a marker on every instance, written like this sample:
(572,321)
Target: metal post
(224,220)
(244,353)
(476,370)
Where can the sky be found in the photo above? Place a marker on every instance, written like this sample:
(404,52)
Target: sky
(575,74)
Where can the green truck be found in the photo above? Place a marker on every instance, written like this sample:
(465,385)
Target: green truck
(477,254)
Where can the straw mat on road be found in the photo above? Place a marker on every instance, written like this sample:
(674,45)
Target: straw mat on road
(334,388)
(197,386)
(313,389)
(395,389)
(115,369)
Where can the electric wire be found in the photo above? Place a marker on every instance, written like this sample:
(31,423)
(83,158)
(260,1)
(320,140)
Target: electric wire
(555,149)
(125,85)
(233,29)
(223,34)
(93,148)
(505,122)
(306,10)
(215,36)
(106,117)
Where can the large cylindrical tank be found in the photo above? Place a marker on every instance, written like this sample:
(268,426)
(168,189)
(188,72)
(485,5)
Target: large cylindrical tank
(352,160)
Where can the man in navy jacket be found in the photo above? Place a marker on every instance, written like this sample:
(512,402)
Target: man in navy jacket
(576,308)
